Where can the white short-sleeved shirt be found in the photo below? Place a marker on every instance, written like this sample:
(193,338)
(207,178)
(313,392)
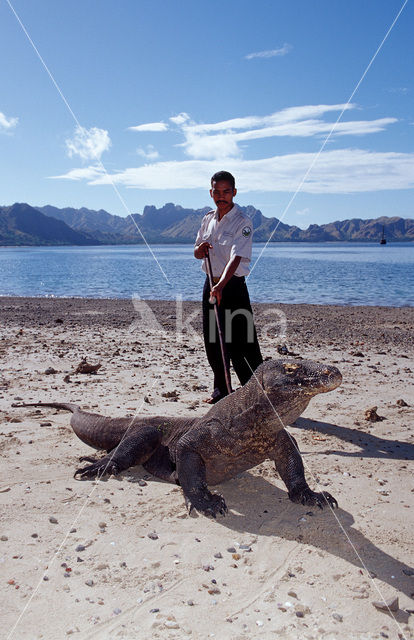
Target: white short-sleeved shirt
(231,236)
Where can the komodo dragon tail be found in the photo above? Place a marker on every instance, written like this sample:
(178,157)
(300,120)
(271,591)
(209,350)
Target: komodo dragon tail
(56,405)
(95,430)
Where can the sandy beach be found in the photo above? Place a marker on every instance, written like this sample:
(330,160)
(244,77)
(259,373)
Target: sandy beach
(76,557)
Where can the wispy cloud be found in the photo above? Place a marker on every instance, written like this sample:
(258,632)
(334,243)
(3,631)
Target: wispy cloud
(338,171)
(180,118)
(150,126)
(270,53)
(303,212)
(291,114)
(222,139)
(149,153)
(88,144)
(89,174)
(7,124)
(402,91)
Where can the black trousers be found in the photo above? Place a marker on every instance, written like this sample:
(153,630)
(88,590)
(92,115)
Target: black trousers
(240,337)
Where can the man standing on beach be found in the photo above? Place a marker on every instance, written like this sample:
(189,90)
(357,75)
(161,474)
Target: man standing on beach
(226,234)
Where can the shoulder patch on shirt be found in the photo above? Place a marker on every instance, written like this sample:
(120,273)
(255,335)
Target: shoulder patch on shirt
(246,231)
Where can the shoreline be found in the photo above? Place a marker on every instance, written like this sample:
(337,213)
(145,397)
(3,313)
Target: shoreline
(401,241)
(290,323)
(173,300)
(140,566)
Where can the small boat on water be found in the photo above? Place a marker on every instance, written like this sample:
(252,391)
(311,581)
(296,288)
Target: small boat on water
(383,238)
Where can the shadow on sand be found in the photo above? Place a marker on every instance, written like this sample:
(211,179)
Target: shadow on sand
(258,507)
(270,512)
(370,446)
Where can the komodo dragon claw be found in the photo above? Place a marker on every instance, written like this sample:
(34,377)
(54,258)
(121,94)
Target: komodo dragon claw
(210,504)
(98,469)
(308,497)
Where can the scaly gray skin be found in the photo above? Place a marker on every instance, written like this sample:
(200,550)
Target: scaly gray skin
(238,433)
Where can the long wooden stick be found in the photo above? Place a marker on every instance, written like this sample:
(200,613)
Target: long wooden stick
(221,338)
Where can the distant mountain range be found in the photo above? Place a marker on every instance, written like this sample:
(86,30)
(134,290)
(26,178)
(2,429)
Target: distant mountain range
(22,224)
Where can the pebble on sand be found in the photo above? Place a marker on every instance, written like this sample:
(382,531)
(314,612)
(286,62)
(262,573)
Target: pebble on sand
(371,415)
(391,604)
(402,403)
(171,624)
(152,535)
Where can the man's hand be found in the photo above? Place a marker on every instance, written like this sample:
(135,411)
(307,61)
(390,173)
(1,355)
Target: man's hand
(201,251)
(216,291)
(228,273)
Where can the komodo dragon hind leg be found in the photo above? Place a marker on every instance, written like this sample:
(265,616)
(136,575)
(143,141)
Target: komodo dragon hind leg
(191,473)
(289,465)
(136,448)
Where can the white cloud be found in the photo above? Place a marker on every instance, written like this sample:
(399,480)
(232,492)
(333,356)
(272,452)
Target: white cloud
(211,147)
(84,173)
(150,126)
(180,118)
(303,212)
(7,124)
(338,171)
(150,153)
(400,90)
(221,139)
(291,114)
(272,53)
(88,144)
(225,144)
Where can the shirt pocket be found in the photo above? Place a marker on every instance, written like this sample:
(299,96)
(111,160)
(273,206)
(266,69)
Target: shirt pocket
(226,239)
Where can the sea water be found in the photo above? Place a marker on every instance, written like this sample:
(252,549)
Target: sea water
(315,273)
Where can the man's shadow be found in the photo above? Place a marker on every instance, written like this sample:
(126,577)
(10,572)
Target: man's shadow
(370,446)
(270,512)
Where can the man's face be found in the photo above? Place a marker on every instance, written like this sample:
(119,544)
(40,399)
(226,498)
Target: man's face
(223,193)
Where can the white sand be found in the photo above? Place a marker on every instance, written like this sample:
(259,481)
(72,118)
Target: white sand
(302,561)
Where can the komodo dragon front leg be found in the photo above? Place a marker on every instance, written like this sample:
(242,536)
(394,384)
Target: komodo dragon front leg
(191,474)
(289,465)
(136,448)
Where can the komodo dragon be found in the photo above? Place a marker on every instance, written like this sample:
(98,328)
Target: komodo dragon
(238,433)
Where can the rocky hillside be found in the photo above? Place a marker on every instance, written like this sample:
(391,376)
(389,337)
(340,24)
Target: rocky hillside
(22,224)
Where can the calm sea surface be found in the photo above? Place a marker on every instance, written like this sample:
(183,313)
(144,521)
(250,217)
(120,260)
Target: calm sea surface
(316,273)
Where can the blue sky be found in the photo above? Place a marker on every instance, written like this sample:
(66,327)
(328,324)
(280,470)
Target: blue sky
(165,93)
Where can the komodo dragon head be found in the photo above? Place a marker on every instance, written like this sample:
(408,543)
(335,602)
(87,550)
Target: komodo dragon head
(297,378)
(278,387)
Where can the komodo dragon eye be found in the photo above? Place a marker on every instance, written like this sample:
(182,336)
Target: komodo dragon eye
(291,368)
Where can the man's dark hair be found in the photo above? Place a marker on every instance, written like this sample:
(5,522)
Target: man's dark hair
(224,175)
